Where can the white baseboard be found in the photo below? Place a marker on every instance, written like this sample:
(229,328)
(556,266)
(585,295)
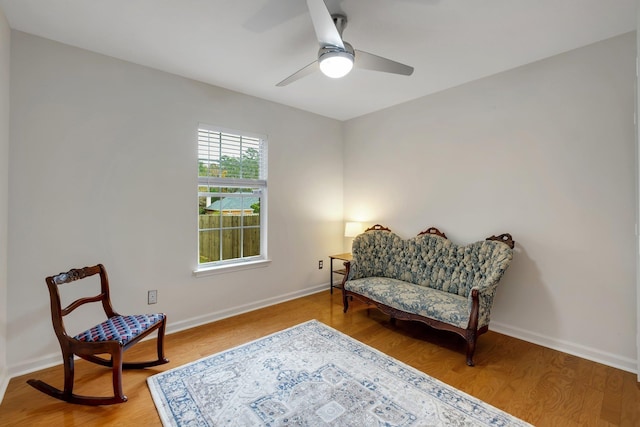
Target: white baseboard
(54,359)
(223,314)
(36,364)
(609,359)
(4,382)
(593,354)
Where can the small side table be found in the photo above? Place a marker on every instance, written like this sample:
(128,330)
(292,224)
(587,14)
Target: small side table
(342,271)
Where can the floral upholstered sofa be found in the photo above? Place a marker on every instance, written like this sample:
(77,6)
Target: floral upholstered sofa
(428,279)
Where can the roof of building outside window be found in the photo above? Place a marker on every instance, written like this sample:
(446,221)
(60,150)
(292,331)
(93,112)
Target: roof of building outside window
(233,203)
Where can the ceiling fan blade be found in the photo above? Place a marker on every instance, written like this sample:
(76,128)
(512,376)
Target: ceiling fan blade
(326,30)
(303,72)
(373,62)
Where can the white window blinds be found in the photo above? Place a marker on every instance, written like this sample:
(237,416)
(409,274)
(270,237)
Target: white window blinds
(230,158)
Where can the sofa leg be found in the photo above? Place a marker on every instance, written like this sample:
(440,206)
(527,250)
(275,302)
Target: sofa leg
(471,346)
(470,359)
(345,303)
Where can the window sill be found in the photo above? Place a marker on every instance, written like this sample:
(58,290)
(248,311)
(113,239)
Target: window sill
(230,268)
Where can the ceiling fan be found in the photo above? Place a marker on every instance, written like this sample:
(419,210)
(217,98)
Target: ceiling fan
(336,57)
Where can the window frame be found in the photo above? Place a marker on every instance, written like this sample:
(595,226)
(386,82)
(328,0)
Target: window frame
(241,263)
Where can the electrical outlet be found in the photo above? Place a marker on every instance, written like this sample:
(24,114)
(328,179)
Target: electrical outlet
(152,297)
(320,263)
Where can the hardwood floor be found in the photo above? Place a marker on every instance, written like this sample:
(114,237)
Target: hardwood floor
(539,385)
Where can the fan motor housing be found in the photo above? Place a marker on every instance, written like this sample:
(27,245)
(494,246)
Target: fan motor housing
(332,50)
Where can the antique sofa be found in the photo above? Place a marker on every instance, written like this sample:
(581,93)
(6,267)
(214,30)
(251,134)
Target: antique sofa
(428,279)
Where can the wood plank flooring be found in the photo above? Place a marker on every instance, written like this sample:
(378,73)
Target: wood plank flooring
(539,385)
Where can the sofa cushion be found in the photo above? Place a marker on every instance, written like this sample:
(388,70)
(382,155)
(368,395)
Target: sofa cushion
(443,306)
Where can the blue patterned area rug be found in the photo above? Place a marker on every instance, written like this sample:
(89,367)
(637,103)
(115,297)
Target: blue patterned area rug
(312,375)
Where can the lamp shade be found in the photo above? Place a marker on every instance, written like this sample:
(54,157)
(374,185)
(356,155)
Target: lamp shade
(352,229)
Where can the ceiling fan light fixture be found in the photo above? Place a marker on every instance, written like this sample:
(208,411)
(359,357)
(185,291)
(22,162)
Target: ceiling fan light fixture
(336,63)
(336,57)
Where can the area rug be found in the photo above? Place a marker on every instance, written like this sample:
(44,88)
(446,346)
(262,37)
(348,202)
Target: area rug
(312,375)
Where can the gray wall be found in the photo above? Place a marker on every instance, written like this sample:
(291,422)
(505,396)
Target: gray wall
(546,152)
(103,165)
(104,169)
(637,198)
(5,38)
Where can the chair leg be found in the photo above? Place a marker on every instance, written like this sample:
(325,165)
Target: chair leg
(69,374)
(160,342)
(160,349)
(67,394)
(116,373)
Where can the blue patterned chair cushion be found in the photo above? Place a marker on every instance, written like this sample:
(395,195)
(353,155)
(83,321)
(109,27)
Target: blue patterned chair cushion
(120,328)
(433,263)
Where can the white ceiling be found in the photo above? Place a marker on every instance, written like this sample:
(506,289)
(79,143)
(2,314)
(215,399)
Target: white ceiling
(250,45)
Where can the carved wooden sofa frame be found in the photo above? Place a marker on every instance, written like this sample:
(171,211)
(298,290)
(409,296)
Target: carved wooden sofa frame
(470,334)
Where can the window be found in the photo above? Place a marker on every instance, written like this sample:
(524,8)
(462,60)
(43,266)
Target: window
(232,196)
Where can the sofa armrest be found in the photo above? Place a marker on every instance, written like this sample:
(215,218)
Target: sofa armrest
(351,270)
(485,295)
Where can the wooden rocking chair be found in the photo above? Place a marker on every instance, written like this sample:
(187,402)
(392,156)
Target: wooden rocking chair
(113,337)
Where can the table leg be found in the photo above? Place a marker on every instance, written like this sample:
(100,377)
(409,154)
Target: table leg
(331,274)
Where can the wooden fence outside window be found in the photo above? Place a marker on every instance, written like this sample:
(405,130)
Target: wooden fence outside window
(235,231)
